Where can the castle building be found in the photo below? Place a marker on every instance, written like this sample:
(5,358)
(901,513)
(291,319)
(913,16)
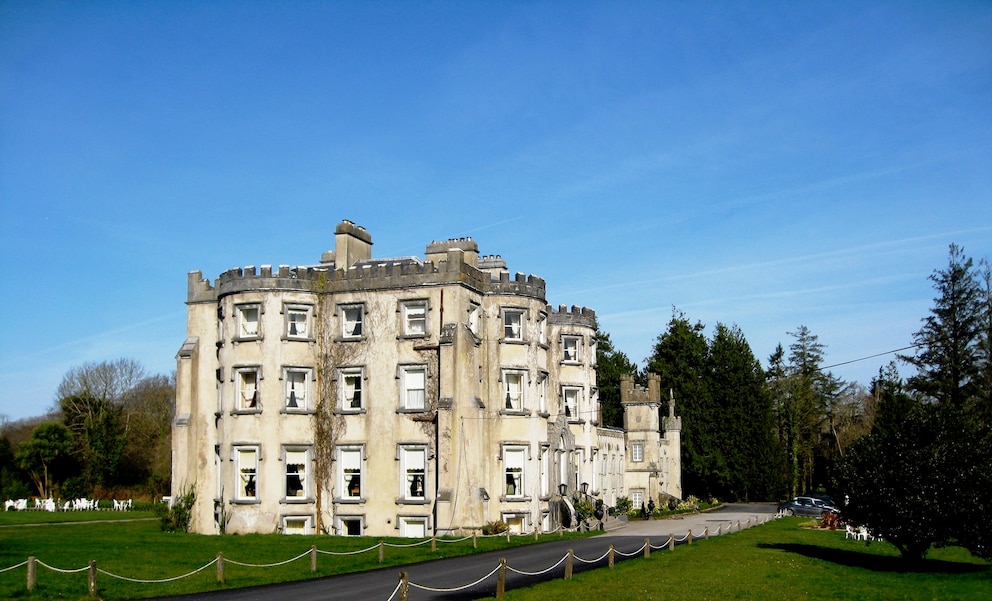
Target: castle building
(401,397)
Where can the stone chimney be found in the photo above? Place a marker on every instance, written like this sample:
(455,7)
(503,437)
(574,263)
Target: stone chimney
(351,245)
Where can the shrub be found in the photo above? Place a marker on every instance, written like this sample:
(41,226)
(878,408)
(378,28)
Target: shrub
(497,527)
(177,518)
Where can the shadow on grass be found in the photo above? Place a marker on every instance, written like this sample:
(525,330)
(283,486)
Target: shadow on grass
(877,563)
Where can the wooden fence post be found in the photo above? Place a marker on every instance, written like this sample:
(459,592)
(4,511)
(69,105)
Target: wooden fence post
(313,558)
(220,567)
(92,578)
(706,533)
(611,556)
(404,586)
(382,551)
(688,537)
(671,542)
(32,572)
(501,579)
(433,543)
(475,542)
(569,558)
(647,547)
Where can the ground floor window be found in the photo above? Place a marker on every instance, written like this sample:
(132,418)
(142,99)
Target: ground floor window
(293,524)
(413,527)
(350,525)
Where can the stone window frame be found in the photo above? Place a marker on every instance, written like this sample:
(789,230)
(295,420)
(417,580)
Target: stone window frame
(289,390)
(344,373)
(506,325)
(576,415)
(304,309)
(637,451)
(307,519)
(342,313)
(519,482)
(246,478)
(571,344)
(345,482)
(519,407)
(242,404)
(402,521)
(403,373)
(404,452)
(307,478)
(340,523)
(242,311)
(405,309)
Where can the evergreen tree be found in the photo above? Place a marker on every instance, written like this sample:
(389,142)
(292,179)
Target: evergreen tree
(746,430)
(948,357)
(611,364)
(983,401)
(680,359)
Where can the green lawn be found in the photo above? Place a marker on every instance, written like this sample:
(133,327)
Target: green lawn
(777,561)
(140,550)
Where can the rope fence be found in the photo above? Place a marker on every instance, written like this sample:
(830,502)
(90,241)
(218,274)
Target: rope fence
(401,590)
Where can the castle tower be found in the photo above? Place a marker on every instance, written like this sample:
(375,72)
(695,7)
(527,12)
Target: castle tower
(653,458)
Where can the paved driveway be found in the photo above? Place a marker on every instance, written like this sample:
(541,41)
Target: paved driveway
(458,572)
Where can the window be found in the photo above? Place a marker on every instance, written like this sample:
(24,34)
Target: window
(413,380)
(350,525)
(513,465)
(413,527)
(542,329)
(413,467)
(637,499)
(352,317)
(298,321)
(246,467)
(296,473)
(570,396)
(637,452)
(297,383)
(570,346)
(248,321)
(542,392)
(473,319)
(350,381)
(513,324)
(513,390)
(297,525)
(247,381)
(414,318)
(545,468)
(350,472)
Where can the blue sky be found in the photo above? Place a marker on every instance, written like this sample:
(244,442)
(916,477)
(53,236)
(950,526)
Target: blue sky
(762,164)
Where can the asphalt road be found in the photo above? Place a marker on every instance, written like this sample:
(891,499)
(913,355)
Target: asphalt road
(458,572)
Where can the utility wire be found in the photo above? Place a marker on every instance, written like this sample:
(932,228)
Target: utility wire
(905,348)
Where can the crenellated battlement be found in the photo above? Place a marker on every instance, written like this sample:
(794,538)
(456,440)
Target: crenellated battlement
(574,315)
(351,268)
(521,285)
(634,393)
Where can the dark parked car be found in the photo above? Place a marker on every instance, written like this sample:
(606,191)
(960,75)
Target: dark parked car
(807,506)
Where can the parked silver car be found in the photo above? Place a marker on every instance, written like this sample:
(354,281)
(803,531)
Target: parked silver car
(807,506)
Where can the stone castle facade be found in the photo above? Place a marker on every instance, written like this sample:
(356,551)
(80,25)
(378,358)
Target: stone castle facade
(401,397)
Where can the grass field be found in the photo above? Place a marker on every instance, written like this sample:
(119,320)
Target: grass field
(138,549)
(779,560)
